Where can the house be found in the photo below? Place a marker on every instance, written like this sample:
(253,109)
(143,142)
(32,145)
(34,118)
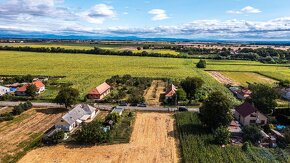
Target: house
(235,128)
(170,93)
(4,90)
(21,91)
(99,92)
(248,114)
(118,110)
(240,92)
(79,114)
(285,92)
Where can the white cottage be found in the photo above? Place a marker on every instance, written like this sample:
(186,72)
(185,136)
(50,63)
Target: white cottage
(248,114)
(80,113)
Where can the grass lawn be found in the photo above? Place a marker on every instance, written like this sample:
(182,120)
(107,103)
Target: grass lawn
(196,145)
(249,77)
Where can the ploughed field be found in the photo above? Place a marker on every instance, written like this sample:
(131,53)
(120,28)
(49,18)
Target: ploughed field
(19,133)
(152,140)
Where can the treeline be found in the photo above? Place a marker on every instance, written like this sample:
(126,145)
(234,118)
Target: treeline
(17,110)
(96,50)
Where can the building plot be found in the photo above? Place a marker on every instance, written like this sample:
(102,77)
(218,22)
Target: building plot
(152,140)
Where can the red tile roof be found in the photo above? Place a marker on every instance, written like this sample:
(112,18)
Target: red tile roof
(246,109)
(22,88)
(100,89)
(38,84)
(170,90)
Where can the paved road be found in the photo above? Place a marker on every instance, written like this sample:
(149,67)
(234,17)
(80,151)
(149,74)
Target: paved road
(101,106)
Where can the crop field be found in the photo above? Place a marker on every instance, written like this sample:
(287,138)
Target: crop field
(249,77)
(87,71)
(17,135)
(196,144)
(149,143)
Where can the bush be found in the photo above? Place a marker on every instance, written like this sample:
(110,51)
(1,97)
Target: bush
(114,117)
(92,133)
(56,137)
(252,133)
(6,117)
(222,135)
(201,64)
(246,146)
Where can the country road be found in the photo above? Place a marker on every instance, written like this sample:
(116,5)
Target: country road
(101,106)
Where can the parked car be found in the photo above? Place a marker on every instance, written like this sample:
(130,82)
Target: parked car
(123,104)
(142,105)
(133,104)
(182,108)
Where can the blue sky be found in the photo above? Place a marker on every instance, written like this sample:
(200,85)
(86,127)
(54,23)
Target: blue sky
(200,19)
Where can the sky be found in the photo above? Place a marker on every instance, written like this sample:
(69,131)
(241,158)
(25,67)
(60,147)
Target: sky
(193,19)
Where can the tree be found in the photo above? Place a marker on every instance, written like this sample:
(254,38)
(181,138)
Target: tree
(222,135)
(191,85)
(138,48)
(284,83)
(92,133)
(252,133)
(264,97)
(56,137)
(216,111)
(201,64)
(67,96)
(114,117)
(181,94)
(31,90)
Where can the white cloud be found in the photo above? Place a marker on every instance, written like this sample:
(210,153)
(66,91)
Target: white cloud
(159,14)
(245,10)
(99,13)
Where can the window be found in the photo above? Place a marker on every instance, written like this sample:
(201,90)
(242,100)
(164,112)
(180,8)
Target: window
(252,121)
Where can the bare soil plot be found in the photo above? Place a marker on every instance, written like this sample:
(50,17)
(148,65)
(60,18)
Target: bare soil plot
(221,78)
(152,94)
(152,140)
(16,133)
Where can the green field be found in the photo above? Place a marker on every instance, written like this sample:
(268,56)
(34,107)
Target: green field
(249,77)
(87,71)
(196,144)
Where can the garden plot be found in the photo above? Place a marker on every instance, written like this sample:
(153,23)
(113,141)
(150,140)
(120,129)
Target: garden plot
(152,140)
(153,93)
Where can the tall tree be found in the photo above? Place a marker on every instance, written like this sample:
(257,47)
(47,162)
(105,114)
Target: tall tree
(216,111)
(31,90)
(264,97)
(201,64)
(67,96)
(191,85)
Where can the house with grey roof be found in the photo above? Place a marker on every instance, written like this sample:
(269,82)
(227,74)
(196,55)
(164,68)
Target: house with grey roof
(79,114)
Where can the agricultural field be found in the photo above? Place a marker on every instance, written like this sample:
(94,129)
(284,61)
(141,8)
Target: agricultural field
(18,135)
(149,143)
(87,71)
(196,144)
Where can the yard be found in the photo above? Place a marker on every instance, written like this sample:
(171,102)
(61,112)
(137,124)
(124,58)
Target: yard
(17,135)
(153,140)
(152,94)
(196,144)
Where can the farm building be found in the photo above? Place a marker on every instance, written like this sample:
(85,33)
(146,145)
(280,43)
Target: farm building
(80,113)
(248,114)
(99,92)
(4,90)
(170,93)
(118,110)
(21,91)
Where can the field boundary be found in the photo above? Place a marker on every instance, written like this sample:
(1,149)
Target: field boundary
(257,72)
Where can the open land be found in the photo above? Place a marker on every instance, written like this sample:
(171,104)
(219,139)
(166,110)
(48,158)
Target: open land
(152,140)
(153,93)
(18,133)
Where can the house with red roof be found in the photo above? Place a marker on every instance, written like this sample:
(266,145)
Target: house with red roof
(21,91)
(248,114)
(170,93)
(99,92)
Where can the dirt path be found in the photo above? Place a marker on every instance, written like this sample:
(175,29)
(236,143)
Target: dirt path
(152,141)
(14,133)
(152,94)
(221,78)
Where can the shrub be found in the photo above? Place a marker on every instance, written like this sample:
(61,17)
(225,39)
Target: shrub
(56,137)
(201,64)
(222,135)
(252,133)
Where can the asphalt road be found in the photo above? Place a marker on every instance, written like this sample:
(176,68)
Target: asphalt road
(101,106)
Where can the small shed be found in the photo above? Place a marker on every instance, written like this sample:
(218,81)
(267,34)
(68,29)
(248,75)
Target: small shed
(118,110)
